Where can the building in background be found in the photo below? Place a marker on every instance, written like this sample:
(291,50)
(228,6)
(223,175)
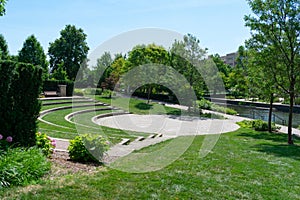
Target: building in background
(230,59)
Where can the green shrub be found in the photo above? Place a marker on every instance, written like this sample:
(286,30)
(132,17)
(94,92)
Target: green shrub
(20,166)
(88,148)
(52,85)
(78,92)
(223,109)
(258,125)
(19,102)
(205,104)
(45,143)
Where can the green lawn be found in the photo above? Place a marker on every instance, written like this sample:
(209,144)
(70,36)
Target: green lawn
(243,165)
(138,106)
(68,130)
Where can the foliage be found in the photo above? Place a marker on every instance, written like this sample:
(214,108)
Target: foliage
(78,92)
(257,125)
(241,162)
(5,143)
(208,105)
(185,58)
(88,148)
(45,143)
(275,30)
(237,78)
(4,55)
(52,85)
(22,166)
(33,53)
(69,52)
(2,7)
(20,88)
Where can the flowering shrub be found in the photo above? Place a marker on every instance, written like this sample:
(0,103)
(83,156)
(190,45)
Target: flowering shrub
(45,143)
(88,148)
(4,144)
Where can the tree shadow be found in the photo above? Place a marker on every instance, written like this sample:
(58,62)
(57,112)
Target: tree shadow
(277,146)
(280,150)
(143,106)
(275,137)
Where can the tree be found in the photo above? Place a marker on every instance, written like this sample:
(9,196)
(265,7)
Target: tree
(33,53)
(70,51)
(3,48)
(185,58)
(259,67)
(238,76)
(223,68)
(2,7)
(276,26)
(103,64)
(144,55)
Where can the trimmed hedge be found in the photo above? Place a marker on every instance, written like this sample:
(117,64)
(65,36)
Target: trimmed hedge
(20,86)
(52,85)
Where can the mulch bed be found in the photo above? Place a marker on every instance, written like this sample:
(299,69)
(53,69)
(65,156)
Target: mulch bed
(61,164)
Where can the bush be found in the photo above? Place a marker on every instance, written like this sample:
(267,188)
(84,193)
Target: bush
(88,148)
(52,85)
(19,110)
(258,125)
(78,92)
(206,104)
(20,166)
(45,143)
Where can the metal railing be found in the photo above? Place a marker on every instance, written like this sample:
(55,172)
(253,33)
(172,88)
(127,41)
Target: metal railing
(257,115)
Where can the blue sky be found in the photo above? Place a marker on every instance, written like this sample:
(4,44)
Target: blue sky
(218,24)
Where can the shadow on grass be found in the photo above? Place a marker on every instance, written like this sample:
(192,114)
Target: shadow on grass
(277,146)
(143,106)
(275,137)
(280,150)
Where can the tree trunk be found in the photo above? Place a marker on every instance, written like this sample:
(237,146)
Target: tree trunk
(290,136)
(149,94)
(270,113)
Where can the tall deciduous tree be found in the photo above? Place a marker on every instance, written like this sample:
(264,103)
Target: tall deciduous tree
(69,51)
(185,58)
(33,53)
(238,76)
(3,48)
(276,24)
(148,54)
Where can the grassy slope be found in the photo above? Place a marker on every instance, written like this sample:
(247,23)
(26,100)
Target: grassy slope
(243,165)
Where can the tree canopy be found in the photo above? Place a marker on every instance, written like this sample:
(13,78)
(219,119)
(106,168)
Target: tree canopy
(275,29)
(2,7)
(3,48)
(69,51)
(32,52)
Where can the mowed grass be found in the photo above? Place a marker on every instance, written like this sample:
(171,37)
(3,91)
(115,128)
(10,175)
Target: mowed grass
(244,164)
(138,106)
(69,130)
